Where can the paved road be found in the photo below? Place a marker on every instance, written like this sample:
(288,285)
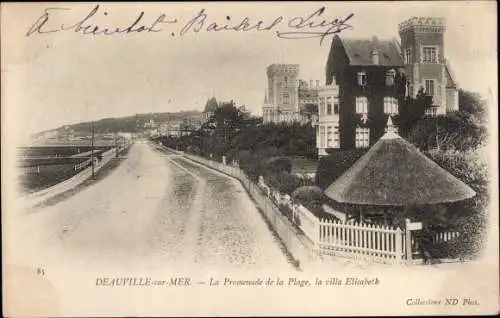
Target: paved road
(154,210)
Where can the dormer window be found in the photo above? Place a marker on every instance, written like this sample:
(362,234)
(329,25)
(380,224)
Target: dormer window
(389,77)
(375,57)
(362,78)
(334,81)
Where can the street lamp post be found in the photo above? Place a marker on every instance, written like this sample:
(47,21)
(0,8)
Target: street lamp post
(116,146)
(92,151)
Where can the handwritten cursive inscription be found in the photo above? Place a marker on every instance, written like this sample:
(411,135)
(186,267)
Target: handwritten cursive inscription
(84,26)
(312,25)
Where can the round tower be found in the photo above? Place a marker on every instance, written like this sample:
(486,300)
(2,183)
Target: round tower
(283,87)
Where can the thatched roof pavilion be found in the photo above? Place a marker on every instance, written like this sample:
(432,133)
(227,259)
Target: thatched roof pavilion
(395,173)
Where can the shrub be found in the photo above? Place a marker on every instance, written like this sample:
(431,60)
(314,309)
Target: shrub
(468,166)
(284,182)
(334,165)
(286,211)
(459,130)
(278,165)
(468,216)
(308,195)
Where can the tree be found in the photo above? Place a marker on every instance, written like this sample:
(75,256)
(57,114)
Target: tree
(310,109)
(460,130)
(472,103)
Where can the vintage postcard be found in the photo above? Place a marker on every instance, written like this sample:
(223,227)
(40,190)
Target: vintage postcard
(249,158)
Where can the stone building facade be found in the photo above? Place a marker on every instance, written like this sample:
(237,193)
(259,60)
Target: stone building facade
(422,45)
(281,102)
(375,76)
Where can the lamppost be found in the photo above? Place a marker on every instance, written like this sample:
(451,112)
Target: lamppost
(92,150)
(116,145)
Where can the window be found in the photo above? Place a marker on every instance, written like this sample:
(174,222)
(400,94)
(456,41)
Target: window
(333,140)
(362,137)
(410,90)
(329,109)
(336,108)
(286,79)
(393,128)
(322,136)
(408,56)
(336,139)
(390,105)
(361,105)
(321,110)
(329,136)
(285,98)
(389,77)
(375,57)
(429,87)
(362,78)
(431,111)
(429,54)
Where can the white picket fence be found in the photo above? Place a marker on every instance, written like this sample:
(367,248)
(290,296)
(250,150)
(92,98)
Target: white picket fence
(361,241)
(370,242)
(445,237)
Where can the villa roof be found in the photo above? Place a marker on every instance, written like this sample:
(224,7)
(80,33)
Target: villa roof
(395,173)
(450,77)
(359,51)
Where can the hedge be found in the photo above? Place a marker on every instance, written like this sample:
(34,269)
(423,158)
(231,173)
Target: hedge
(278,165)
(333,166)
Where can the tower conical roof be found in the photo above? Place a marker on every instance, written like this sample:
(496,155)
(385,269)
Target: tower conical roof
(211,105)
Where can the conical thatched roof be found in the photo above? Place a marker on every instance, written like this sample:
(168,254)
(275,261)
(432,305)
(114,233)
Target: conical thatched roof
(395,173)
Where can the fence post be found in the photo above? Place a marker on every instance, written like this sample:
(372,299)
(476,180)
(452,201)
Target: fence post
(408,241)
(317,223)
(398,247)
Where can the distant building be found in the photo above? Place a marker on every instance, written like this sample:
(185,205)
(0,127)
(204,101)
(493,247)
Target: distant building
(308,93)
(308,100)
(150,124)
(210,108)
(244,112)
(281,101)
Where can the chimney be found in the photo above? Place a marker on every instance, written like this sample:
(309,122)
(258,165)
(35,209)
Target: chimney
(375,52)
(317,83)
(310,83)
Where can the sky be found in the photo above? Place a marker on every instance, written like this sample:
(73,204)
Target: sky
(53,79)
